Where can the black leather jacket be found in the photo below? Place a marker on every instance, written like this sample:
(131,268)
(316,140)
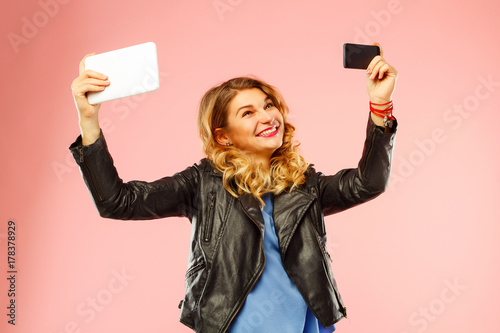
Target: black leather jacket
(226,254)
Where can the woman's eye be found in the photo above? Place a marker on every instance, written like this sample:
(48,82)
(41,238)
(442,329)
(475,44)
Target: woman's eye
(269,105)
(246,113)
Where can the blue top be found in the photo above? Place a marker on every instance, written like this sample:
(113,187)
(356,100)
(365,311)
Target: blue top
(275,304)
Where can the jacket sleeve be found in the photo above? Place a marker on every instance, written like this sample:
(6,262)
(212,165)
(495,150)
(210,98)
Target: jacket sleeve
(351,187)
(137,200)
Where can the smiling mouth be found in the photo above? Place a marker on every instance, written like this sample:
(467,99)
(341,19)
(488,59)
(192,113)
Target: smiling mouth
(269,131)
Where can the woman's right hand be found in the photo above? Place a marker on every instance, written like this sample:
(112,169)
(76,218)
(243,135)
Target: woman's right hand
(88,80)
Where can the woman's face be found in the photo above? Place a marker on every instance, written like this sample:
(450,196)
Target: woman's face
(254,124)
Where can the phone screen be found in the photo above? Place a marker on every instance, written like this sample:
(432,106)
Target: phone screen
(359,56)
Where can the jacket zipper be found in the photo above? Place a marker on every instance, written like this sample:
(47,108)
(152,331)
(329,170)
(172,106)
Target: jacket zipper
(253,283)
(92,181)
(207,231)
(342,307)
(192,271)
(369,150)
(195,269)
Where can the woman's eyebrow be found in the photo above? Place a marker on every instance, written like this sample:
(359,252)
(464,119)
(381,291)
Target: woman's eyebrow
(241,108)
(251,105)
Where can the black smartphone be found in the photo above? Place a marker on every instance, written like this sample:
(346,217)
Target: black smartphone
(359,56)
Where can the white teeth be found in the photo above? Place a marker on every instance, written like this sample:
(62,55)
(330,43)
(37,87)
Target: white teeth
(269,131)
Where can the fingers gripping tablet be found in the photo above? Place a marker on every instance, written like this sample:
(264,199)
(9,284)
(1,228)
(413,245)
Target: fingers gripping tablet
(131,71)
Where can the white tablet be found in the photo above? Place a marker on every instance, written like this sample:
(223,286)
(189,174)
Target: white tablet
(131,71)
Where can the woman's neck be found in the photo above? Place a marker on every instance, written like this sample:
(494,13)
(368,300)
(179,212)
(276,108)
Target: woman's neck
(265,163)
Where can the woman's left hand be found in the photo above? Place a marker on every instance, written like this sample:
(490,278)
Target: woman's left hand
(380,79)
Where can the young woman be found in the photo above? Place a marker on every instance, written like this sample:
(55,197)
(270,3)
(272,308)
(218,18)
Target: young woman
(258,259)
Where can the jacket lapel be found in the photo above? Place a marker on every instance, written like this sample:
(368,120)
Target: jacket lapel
(252,210)
(289,209)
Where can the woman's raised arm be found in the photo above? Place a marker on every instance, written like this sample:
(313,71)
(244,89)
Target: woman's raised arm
(380,82)
(88,80)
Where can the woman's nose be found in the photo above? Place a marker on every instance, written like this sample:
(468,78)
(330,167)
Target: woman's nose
(266,117)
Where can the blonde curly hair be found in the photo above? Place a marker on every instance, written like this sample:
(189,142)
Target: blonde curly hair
(239,173)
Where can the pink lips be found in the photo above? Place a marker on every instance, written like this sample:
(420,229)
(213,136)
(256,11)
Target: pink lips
(270,134)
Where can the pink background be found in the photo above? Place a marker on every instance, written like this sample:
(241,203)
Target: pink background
(421,258)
